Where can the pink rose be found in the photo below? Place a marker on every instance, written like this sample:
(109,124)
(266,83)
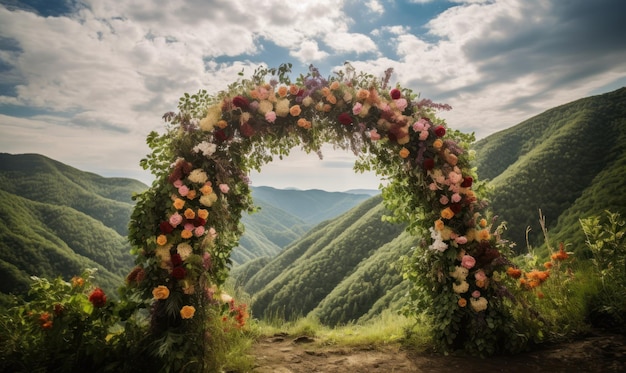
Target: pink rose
(356,110)
(423,135)
(183,190)
(374,135)
(480,275)
(224,188)
(401,104)
(468,261)
(461,240)
(175,219)
(189,226)
(270,116)
(476,294)
(444,200)
(456,197)
(199,231)
(178,183)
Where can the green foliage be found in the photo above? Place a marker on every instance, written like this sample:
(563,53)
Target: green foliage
(606,238)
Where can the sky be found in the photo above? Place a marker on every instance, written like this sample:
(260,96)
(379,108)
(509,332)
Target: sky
(85,81)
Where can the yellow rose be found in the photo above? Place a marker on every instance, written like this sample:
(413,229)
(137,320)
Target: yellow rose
(282,107)
(265,107)
(307,101)
(187,312)
(160,292)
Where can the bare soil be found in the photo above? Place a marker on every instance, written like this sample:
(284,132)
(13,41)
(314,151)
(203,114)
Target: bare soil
(596,352)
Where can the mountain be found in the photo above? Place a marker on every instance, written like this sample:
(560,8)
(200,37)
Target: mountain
(568,161)
(57,220)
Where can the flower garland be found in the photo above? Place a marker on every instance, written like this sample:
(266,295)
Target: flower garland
(184,227)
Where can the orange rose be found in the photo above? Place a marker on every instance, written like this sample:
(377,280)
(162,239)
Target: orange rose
(191,194)
(331,99)
(404,152)
(186,234)
(462,302)
(362,94)
(187,312)
(304,123)
(206,189)
(334,85)
(190,214)
(437,144)
(160,292)
(293,89)
(439,225)
(203,214)
(447,213)
(179,203)
(295,110)
(222,124)
(282,91)
(161,240)
(483,235)
(483,223)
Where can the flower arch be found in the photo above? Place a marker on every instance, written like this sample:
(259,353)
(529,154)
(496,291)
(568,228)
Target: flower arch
(184,227)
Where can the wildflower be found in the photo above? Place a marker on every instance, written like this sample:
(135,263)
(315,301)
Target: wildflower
(98,298)
(514,272)
(78,281)
(561,254)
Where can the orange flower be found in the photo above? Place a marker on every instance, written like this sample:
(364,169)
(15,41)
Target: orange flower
(203,214)
(540,295)
(439,225)
(548,265)
(191,194)
(293,89)
(483,235)
(187,312)
(362,94)
(160,292)
(331,99)
(190,214)
(325,91)
(77,281)
(295,110)
(282,91)
(447,213)
(304,123)
(561,254)
(514,272)
(185,233)
(222,123)
(404,152)
(334,85)
(437,144)
(161,240)
(179,203)
(462,302)
(206,189)
(482,223)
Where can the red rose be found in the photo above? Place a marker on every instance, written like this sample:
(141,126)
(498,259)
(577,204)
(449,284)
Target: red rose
(179,273)
(241,102)
(395,93)
(246,129)
(456,207)
(440,131)
(428,164)
(221,135)
(198,222)
(176,260)
(98,298)
(165,227)
(467,182)
(345,119)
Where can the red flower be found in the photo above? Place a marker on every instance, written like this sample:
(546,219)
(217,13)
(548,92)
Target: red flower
(165,227)
(428,164)
(246,129)
(198,222)
(440,131)
(467,182)
(456,207)
(221,135)
(179,273)
(241,102)
(98,298)
(395,93)
(176,260)
(345,119)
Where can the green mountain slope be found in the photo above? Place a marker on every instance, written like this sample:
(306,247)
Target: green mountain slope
(300,288)
(567,158)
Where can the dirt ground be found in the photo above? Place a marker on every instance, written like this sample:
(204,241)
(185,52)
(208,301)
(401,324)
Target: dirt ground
(596,352)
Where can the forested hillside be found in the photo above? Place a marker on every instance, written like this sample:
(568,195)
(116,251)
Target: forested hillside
(569,162)
(57,220)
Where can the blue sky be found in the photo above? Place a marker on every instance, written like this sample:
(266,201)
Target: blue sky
(84,81)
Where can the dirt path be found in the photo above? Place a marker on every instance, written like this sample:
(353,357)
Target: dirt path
(599,352)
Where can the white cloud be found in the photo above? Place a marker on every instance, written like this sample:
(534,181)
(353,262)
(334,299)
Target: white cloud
(309,52)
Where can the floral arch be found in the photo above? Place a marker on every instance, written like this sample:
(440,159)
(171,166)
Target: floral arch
(184,227)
